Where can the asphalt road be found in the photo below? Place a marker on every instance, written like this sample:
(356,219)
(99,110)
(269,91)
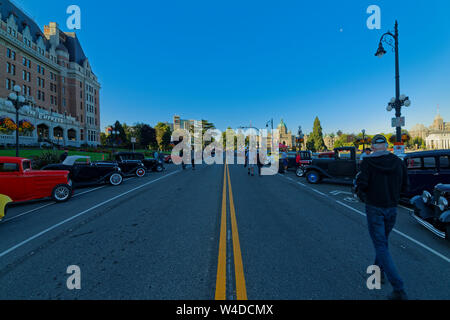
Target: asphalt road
(188,235)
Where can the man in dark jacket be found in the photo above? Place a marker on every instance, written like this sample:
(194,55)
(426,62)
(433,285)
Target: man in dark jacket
(383,177)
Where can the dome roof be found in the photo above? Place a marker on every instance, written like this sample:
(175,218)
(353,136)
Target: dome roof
(282,124)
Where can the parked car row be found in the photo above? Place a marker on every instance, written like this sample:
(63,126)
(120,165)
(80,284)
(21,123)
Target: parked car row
(20,183)
(428,175)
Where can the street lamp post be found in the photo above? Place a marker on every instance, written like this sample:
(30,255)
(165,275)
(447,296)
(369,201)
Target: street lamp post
(364,139)
(271,134)
(18,102)
(397,102)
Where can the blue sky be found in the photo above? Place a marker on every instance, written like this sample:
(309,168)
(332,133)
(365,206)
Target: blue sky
(233,62)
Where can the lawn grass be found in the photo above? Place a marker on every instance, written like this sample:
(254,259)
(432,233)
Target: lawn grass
(30,153)
(36,152)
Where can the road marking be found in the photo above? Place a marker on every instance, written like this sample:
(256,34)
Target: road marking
(317,191)
(53,203)
(241,291)
(28,212)
(221,283)
(403,235)
(338,192)
(406,208)
(4,253)
(302,184)
(420,244)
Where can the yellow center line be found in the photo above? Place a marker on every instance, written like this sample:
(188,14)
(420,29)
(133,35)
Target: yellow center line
(221,285)
(241,291)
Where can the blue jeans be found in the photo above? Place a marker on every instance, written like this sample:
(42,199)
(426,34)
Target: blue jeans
(381,221)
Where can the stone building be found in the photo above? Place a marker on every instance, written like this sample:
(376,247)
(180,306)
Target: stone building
(436,136)
(55,77)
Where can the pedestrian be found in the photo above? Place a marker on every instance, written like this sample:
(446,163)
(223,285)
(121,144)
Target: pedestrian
(251,162)
(259,163)
(64,156)
(284,159)
(193,159)
(383,177)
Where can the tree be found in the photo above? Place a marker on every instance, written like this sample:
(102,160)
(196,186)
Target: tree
(316,136)
(418,142)
(146,136)
(339,133)
(163,136)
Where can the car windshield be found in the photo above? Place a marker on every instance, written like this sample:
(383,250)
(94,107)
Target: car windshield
(26,165)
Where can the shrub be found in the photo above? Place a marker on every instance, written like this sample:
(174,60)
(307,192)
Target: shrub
(45,158)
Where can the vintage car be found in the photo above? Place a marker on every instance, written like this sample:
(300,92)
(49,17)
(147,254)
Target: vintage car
(342,167)
(305,160)
(21,183)
(85,173)
(426,169)
(150,164)
(4,202)
(168,159)
(432,211)
(128,165)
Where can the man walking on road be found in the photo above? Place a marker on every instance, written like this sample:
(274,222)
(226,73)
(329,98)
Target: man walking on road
(383,177)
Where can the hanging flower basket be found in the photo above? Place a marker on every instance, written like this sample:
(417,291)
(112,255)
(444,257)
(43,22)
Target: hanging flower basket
(405,138)
(7,125)
(26,126)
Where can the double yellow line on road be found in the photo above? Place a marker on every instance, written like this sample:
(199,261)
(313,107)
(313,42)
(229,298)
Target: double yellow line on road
(221,281)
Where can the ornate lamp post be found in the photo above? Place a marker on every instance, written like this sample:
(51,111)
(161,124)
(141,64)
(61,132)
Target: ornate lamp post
(18,102)
(399,100)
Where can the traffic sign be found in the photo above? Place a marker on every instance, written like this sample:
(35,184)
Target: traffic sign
(398,122)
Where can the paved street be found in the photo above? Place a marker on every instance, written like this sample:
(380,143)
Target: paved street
(210,233)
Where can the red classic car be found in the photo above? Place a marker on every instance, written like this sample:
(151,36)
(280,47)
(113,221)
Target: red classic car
(20,183)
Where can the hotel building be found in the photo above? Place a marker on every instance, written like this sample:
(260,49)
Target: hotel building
(55,77)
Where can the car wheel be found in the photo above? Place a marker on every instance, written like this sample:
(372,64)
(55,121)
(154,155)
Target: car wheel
(300,172)
(116,179)
(313,177)
(62,193)
(140,172)
(159,168)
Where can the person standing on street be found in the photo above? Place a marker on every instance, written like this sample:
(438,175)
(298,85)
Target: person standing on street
(193,158)
(284,159)
(259,163)
(383,177)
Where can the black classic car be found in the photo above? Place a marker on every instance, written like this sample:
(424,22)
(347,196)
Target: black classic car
(426,169)
(150,164)
(342,167)
(85,173)
(129,165)
(432,211)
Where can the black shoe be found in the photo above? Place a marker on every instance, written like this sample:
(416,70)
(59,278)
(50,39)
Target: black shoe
(398,295)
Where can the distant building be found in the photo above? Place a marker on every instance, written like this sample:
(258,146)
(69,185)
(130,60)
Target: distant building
(436,136)
(329,141)
(438,141)
(179,123)
(285,136)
